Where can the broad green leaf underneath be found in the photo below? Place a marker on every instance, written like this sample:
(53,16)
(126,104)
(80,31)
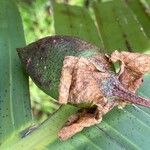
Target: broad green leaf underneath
(15,110)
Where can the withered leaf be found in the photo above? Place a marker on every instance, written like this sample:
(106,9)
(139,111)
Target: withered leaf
(90,80)
(80,81)
(133,67)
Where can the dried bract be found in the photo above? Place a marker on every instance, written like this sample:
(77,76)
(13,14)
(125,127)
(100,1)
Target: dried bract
(91,82)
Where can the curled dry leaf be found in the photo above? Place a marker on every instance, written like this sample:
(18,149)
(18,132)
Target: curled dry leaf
(139,63)
(133,67)
(90,82)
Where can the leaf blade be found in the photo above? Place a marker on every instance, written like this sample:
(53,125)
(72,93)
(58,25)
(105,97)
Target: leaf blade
(75,21)
(115,19)
(141,14)
(15,104)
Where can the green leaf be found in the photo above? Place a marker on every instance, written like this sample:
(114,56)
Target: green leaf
(141,14)
(75,21)
(119,27)
(15,110)
(47,132)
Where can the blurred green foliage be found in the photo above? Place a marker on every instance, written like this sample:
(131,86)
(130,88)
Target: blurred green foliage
(37,19)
